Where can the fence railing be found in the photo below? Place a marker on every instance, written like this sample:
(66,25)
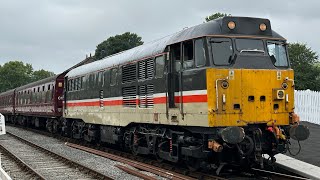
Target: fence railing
(307,105)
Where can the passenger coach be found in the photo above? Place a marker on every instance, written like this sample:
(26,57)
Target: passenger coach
(7,103)
(38,103)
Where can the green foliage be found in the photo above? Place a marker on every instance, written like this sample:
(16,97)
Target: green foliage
(15,74)
(117,44)
(216,16)
(304,63)
(41,74)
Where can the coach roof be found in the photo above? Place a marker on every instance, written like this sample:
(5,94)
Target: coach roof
(215,27)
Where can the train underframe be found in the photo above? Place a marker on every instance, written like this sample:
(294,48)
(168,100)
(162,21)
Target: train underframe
(197,147)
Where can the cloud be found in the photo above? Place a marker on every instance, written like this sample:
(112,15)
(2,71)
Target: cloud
(55,35)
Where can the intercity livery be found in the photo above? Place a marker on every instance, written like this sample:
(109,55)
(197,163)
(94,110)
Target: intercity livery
(219,93)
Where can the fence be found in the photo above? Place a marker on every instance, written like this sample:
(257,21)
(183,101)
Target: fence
(307,105)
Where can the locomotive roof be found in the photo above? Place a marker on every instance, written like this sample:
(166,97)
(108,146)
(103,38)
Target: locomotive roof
(214,27)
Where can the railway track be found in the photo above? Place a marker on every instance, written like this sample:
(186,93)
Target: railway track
(43,163)
(165,170)
(15,168)
(162,169)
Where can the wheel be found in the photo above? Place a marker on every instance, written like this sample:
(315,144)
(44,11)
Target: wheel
(55,126)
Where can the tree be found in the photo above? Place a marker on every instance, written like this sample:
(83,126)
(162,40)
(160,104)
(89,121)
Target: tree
(304,63)
(14,74)
(117,44)
(41,74)
(216,16)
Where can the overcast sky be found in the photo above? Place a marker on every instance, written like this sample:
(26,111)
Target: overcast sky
(56,34)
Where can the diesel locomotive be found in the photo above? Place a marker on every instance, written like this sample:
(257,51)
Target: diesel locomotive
(218,93)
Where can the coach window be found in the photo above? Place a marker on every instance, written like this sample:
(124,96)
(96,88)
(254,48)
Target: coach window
(159,66)
(188,61)
(113,79)
(222,50)
(199,53)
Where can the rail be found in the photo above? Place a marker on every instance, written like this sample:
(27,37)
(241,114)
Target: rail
(63,159)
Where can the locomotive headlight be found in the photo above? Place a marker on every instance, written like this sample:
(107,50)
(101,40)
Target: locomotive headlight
(263,27)
(278,94)
(231,25)
(224,84)
(284,85)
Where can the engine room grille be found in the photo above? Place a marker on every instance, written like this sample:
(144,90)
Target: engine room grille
(129,73)
(129,96)
(146,96)
(146,69)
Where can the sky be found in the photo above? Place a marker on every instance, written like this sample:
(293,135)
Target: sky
(57,34)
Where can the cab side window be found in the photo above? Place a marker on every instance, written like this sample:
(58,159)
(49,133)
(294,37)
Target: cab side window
(188,58)
(199,53)
(159,66)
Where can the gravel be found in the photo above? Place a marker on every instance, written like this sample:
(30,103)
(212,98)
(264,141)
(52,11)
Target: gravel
(101,164)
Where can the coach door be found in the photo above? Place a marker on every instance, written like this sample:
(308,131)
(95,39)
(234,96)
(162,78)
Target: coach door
(174,110)
(65,92)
